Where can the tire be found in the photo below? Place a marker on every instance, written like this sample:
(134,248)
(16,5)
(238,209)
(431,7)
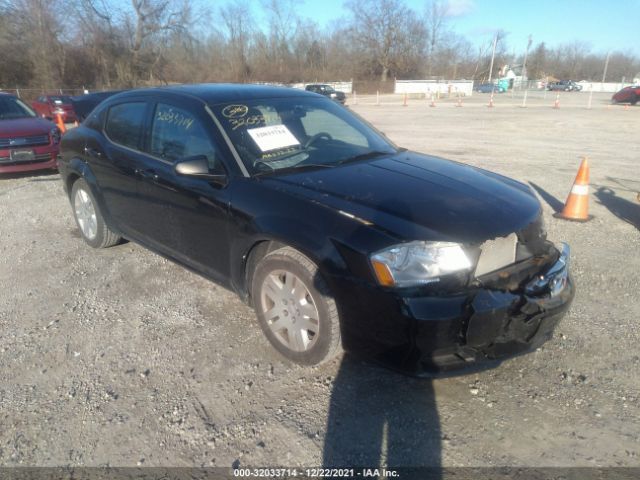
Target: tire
(634,100)
(288,291)
(89,220)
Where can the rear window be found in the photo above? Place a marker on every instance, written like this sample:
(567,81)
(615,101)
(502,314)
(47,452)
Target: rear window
(124,123)
(62,99)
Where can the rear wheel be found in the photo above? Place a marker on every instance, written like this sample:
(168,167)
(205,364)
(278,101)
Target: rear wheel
(90,221)
(634,100)
(295,307)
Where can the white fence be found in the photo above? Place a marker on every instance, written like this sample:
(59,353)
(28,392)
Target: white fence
(429,87)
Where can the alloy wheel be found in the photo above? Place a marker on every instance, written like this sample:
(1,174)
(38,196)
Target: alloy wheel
(85,214)
(290,310)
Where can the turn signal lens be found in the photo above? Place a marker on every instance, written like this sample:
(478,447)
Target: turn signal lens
(383,274)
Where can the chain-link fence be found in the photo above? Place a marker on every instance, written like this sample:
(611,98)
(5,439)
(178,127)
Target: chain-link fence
(30,94)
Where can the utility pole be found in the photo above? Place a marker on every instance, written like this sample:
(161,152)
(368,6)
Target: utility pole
(606,66)
(524,63)
(493,54)
(524,73)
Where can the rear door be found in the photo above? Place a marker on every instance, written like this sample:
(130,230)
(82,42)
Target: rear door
(115,154)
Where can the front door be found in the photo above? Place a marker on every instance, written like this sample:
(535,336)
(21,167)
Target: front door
(185,217)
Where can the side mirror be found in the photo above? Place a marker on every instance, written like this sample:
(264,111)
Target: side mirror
(198,167)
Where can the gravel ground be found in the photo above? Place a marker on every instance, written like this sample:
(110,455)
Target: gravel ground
(120,357)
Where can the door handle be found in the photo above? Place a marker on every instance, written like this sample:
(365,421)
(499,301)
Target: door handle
(147,174)
(92,152)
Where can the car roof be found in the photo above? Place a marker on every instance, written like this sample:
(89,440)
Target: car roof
(212,93)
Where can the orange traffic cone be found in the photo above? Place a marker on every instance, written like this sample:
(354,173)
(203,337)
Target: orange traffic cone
(459,104)
(556,104)
(576,207)
(490,101)
(433,101)
(404,102)
(60,123)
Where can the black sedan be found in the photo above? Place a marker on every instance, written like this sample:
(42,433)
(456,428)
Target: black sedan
(338,238)
(328,91)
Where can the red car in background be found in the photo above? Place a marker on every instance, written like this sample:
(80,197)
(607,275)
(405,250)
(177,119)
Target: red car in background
(627,95)
(49,106)
(26,141)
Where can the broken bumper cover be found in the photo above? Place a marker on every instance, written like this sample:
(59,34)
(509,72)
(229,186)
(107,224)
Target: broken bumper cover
(433,334)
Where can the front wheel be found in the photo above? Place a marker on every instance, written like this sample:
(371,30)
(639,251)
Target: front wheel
(90,221)
(295,307)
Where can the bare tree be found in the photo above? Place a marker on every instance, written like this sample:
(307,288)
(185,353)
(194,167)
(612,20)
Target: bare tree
(435,24)
(283,27)
(152,22)
(238,25)
(38,23)
(387,32)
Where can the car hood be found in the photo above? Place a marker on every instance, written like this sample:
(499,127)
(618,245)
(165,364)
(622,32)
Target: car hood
(418,196)
(25,127)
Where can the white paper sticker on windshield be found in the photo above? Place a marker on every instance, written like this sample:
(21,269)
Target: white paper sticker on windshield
(273,137)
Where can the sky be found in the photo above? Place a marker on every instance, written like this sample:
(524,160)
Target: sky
(603,25)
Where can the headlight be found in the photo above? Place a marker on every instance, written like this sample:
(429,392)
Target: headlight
(418,263)
(55,135)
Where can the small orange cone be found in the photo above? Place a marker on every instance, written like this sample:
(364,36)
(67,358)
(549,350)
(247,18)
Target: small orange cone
(576,207)
(404,103)
(459,104)
(490,101)
(60,123)
(433,101)
(556,104)
(626,107)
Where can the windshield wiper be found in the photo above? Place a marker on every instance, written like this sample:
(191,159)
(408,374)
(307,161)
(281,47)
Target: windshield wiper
(364,156)
(295,168)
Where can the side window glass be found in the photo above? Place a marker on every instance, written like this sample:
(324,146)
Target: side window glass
(176,134)
(124,123)
(94,120)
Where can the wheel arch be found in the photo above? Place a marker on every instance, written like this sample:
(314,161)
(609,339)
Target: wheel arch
(323,253)
(77,169)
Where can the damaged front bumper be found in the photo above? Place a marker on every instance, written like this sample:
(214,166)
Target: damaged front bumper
(425,335)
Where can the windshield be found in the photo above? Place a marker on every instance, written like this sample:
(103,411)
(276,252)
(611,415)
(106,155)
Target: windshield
(60,99)
(280,134)
(11,107)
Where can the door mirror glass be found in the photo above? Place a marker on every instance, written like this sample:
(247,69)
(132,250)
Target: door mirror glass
(198,167)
